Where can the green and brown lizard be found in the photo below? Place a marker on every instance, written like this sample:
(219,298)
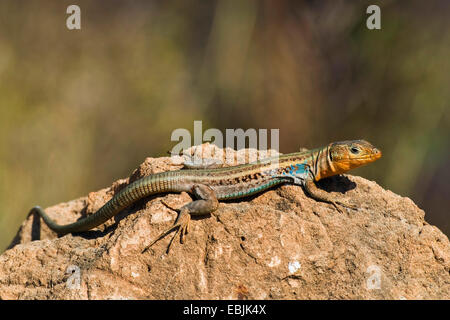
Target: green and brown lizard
(209,186)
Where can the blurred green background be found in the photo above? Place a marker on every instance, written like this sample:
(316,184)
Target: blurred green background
(80,109)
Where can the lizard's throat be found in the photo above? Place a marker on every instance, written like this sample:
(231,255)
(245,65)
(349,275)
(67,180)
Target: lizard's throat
(327,169)
(324,166)
(330,168)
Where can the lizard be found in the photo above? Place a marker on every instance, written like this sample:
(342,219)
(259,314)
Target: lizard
(211,185)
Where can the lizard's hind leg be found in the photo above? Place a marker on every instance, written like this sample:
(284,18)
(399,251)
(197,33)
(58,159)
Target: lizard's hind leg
(206,204)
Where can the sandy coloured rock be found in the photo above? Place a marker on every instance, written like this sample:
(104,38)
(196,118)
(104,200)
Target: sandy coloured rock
(280,244)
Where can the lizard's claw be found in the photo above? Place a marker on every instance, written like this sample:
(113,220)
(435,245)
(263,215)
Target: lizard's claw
(345,205)
(182,227)
(336,206)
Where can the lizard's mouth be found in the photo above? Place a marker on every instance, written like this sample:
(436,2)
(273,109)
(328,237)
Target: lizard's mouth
(375,154)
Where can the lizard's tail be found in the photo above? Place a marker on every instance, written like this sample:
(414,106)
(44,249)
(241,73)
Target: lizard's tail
(51,223)
(153,184)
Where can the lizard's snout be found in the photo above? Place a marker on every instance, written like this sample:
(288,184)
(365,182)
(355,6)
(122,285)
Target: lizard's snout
(376,153)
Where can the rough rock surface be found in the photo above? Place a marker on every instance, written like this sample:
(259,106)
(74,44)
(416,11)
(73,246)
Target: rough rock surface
(277,245)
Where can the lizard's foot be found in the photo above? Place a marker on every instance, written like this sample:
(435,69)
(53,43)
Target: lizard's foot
(336,206)
(206,204)
(321,195)
(182,227)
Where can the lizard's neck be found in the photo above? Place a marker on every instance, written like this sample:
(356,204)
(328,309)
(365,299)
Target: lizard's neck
(323,165)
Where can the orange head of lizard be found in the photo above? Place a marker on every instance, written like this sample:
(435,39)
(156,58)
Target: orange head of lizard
(346,155)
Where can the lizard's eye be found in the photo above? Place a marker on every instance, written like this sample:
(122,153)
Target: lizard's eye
(354,150)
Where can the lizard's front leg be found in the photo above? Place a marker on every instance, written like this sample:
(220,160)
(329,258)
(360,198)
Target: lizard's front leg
(321,195)
(207,202)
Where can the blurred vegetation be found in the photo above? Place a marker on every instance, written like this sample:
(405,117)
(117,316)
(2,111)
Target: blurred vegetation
(80,109)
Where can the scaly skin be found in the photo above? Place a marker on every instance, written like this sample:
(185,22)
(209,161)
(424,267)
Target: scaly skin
(211,185)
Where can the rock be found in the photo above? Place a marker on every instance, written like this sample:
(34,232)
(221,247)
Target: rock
(280,244)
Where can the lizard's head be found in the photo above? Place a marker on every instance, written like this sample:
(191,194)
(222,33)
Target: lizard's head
(346,155)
